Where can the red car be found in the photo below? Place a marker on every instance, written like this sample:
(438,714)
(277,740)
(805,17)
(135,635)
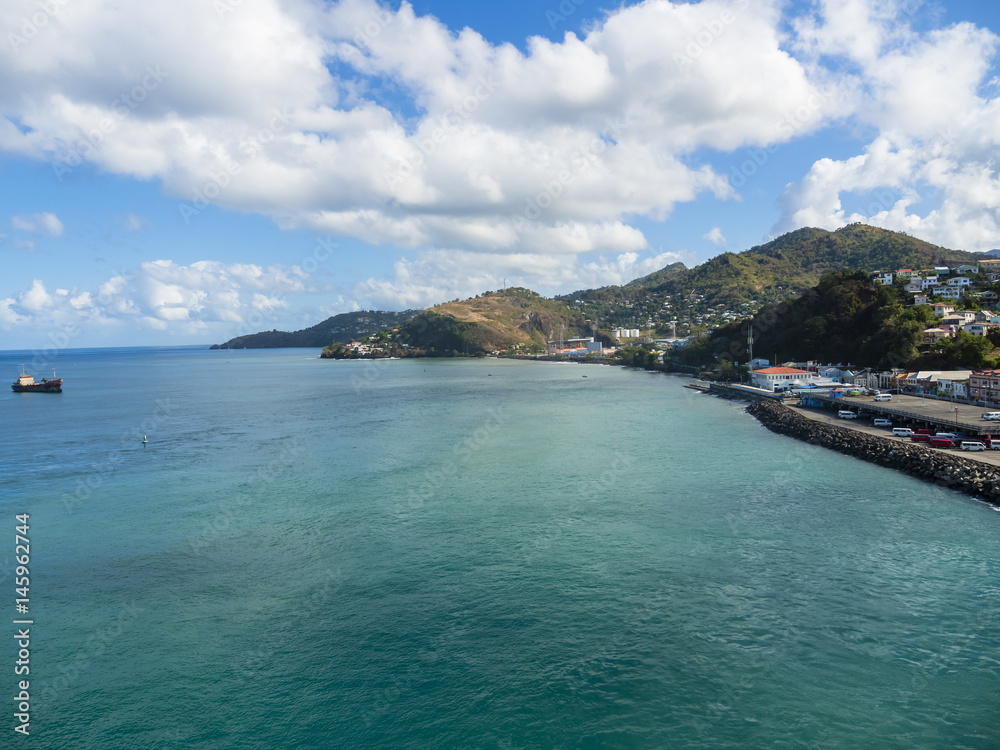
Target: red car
(942,442)
(920,437)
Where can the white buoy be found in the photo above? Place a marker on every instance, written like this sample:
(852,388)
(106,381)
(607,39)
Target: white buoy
(144,440)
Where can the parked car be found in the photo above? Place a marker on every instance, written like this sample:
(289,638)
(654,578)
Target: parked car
(992,415)
(846,414)
(902,431)
(992,443)
(973,445)
(882,422)
(883,397)
(942,442)
(920,437)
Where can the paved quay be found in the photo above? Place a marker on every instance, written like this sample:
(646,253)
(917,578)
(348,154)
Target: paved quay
(929,407)
(935,410)
(945,416)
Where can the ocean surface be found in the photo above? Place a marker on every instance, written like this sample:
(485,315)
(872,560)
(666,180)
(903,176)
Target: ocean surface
(473,554)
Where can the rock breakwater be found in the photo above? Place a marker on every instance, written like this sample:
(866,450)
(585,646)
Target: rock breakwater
(930,464)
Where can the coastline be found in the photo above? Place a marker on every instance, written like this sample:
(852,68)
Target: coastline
(935,466)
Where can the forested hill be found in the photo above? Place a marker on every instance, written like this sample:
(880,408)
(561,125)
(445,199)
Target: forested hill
(742,282)
(344,328)
(512,318)
(847,319)
(675,300)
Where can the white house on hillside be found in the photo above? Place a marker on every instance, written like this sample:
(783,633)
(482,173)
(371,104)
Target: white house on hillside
(933,335)
(978,329)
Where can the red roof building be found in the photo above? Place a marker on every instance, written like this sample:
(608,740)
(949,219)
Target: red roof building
(782,378)
(781,371)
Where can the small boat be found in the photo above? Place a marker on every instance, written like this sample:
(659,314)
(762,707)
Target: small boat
(27,384)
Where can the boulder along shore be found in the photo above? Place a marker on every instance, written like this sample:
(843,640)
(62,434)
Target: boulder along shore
(930,464)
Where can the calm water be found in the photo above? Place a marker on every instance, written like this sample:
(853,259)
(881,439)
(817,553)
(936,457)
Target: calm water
(475,554)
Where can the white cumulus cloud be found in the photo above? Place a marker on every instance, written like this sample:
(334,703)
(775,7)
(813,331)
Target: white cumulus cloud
(44,224)
(239,109)
(164,295)
(476,160)
(930,169)
(715,236)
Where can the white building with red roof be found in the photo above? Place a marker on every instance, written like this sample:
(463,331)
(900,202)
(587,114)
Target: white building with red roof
(780,378)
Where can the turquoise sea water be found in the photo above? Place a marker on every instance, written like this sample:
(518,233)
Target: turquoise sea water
(474,554)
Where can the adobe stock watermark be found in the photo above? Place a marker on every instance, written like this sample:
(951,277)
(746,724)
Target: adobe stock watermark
(223,8)
(787,126)
(428,145)
(62,337)
(86,486)
(310,264)
(908,8)
(379,19)
(565,9)
(371,374)
(450,645)
(581,160)
(31,26)
(709,34)
(218,525)
(255,662)
(461,451)
(883,199)
(123,106)
(92,650)
(218,181)
(603,487)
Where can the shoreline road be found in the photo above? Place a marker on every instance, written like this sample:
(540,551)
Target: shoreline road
(990,457)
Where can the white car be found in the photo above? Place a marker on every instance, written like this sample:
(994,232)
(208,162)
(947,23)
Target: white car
(973,445)
(992,415)
(847,414)
(882,422)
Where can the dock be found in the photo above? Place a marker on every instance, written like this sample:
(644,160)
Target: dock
(943,416)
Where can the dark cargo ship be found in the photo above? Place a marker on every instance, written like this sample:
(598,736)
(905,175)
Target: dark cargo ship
(27,384)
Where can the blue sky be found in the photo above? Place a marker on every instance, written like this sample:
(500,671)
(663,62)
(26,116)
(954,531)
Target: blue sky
(182,173)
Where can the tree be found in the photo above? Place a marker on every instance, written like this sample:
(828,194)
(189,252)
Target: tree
(964,350)
(727,370)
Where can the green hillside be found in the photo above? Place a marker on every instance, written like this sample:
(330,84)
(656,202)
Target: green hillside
(846,319)
(733,285)
(343,328)
(794,262)
(514,318)
(675,300)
